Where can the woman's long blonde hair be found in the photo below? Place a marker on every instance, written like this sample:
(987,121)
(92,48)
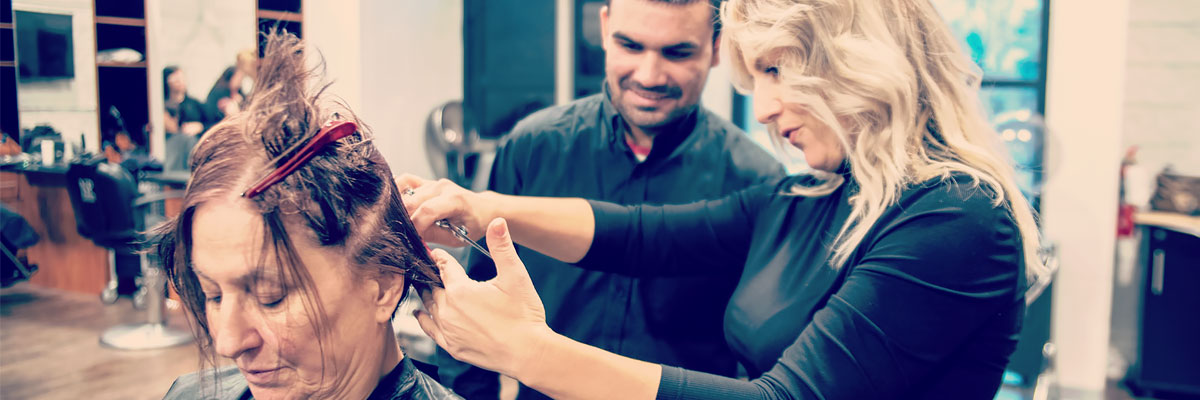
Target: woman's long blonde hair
(891,81)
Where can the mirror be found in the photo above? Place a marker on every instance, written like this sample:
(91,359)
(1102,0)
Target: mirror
(63,80)
(203,59)
(56,78)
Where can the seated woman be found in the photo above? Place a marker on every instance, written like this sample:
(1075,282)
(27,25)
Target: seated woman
(896,269)
(293,251)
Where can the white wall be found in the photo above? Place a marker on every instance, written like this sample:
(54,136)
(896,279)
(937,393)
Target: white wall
(413,61)
(330,28)
(718,92)
(1084,103)
(69,105)
(1162,109)
(391,62)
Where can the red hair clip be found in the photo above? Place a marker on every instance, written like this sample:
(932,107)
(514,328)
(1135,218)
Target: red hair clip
(331,132)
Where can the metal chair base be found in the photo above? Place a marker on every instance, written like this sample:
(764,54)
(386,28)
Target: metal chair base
(154,333)
(143,336)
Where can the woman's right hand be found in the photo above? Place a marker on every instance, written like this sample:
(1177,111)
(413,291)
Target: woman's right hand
(429,201)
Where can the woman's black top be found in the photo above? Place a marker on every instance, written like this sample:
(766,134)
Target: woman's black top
(188,110)
(929,305)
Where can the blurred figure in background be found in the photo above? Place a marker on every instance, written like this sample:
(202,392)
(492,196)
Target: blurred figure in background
(184,114)
(184,120)
(128,149)
(225,97)
(247,64)
(8,145)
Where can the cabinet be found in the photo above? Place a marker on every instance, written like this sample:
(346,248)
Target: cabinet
(8,73)
(287,15)
(122,84)
(1168,340)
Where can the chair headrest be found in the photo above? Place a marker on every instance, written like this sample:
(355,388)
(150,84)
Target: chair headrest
(102,195)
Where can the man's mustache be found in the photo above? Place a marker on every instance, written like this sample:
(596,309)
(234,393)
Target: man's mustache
(665,90)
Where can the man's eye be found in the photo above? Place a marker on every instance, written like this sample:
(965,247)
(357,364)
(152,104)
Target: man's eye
(631,46)
(677,55)
(772,71)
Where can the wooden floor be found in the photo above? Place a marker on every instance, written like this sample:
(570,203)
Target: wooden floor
(50,349)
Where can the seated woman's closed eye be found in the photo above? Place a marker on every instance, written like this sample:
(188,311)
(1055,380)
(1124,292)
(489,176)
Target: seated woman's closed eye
(292,252)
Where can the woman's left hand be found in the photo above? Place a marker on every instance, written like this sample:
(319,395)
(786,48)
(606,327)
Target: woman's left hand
(500,324)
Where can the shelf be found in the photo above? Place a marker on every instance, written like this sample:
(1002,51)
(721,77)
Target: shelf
(280,5)
(134,9)
(110,37)
(280,15)
(6,25)
(121,21)
(140,64)
(8,63)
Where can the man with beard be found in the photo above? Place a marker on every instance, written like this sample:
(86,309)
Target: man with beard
(643,139)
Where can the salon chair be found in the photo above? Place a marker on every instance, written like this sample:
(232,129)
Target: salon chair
(15,234)
(109,212)
(454,147)
(1036,330)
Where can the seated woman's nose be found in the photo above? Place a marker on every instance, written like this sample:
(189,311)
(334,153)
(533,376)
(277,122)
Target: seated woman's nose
(234,332)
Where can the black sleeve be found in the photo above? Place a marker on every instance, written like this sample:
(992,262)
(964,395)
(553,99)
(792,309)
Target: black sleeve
(467,380)
(699,238)
(212,111)
(932,278)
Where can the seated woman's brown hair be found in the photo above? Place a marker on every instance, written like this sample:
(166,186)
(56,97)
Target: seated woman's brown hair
(297,284)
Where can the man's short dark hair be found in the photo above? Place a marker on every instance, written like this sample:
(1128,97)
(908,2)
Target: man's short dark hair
(716,11)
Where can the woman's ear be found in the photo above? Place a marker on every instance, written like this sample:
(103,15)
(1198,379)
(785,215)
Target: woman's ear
(391,290)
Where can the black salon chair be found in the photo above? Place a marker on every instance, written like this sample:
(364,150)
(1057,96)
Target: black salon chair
(1035,333)
(109,211)
(15,234)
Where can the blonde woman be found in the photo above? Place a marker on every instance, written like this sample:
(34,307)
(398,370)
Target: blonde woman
(896,270)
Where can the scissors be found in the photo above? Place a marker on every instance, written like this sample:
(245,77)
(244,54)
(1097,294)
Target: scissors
(459,231)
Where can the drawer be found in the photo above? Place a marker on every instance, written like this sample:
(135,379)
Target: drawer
(10,184)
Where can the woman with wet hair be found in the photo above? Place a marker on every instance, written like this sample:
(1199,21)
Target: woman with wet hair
(896,268)
(293,250)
